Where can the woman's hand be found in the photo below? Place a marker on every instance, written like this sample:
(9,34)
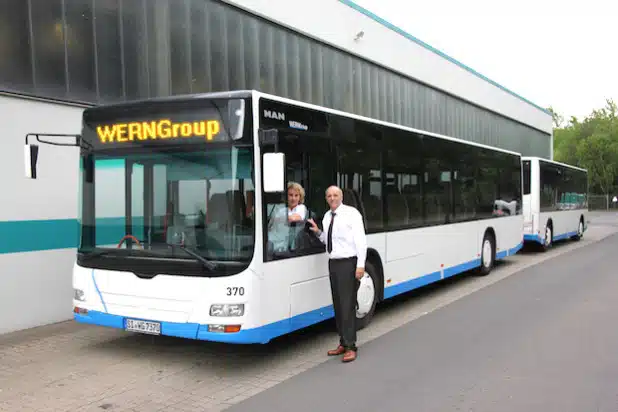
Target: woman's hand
(294,217)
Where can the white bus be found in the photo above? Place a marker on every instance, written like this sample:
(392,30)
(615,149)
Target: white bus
(555,201)
(178,199)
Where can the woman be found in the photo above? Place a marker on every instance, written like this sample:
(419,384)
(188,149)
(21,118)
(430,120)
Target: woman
(279,232)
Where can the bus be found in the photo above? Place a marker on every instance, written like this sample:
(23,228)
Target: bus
(555,201)
(178,195)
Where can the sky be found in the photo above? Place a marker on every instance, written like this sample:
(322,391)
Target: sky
(555,53)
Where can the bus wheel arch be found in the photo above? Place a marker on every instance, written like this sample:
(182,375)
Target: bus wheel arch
(373,257)
(580,228)
(371,289)
(488,252)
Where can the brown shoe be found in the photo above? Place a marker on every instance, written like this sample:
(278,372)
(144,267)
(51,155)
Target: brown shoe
(349,356)
(334,352)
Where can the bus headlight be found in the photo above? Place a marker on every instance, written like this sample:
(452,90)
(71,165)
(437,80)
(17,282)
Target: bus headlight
(235,309)
(78,294)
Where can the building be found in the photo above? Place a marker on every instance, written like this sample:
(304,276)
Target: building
(59,56)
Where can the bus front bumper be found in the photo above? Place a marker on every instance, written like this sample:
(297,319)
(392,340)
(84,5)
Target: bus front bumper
(182,330)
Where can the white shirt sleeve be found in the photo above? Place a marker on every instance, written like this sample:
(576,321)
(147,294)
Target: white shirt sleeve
(360,239)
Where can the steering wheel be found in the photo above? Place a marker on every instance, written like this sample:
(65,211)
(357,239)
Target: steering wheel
(133,238)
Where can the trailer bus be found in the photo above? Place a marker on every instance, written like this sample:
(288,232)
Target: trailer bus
(555,201)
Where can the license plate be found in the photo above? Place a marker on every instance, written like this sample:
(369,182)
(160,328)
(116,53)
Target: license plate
(142,326)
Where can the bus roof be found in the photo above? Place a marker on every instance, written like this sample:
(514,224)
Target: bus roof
(553,162)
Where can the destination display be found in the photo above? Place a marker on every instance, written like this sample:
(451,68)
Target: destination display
(157,130)
(171,124)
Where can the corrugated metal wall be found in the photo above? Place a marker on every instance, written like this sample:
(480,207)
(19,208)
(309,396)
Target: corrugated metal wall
(101,51)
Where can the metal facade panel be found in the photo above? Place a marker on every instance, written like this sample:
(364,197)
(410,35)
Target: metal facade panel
(205,45)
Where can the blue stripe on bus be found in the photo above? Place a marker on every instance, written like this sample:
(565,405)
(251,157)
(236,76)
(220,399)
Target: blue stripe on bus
(565,236)
(533,238)
(96,287)
(38,235)
(510,252)
(539,239)
(264,334)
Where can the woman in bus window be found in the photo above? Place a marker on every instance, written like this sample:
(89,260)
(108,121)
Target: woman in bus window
(280,231)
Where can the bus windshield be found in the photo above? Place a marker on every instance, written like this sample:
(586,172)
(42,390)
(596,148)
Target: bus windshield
(167,180)
(153,204)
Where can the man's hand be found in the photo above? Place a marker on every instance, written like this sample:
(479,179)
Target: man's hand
(314,227)
(360,272)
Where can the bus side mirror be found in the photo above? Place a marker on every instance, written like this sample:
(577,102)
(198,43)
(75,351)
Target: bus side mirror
(274,172)
(31,154)
(236,114)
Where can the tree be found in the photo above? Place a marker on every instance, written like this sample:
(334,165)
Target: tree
(599,153)
(565,145)
(558,119)
(591,144)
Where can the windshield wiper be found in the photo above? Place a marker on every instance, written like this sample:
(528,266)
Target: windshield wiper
(207,263)
(89,255)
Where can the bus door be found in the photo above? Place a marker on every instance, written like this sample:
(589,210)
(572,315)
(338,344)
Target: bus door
(295,259)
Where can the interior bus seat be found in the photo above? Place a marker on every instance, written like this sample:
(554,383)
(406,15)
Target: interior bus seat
(350,198)
(373,210)
(250,204)
(414,201)
(237,205)
(219,212)
(432,209)
(397,206)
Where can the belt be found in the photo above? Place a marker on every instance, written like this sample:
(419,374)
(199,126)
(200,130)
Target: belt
(343,259)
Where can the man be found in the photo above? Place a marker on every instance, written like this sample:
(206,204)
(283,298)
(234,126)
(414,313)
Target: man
(346,245)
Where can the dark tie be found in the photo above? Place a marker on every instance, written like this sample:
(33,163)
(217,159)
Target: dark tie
(329,237)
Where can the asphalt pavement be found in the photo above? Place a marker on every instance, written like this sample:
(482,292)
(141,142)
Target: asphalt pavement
(544,339)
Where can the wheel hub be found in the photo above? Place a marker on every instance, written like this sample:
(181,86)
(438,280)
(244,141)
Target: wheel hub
(547,236)
(487,253)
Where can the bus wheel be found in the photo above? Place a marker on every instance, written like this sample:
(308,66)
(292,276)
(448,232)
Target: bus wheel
(488,254)
(549,237)
(366,297)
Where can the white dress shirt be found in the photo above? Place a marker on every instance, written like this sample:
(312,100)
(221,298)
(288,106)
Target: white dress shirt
(348,237)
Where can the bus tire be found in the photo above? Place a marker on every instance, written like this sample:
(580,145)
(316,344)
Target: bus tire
(367,297)
(488,254)
(549,236)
